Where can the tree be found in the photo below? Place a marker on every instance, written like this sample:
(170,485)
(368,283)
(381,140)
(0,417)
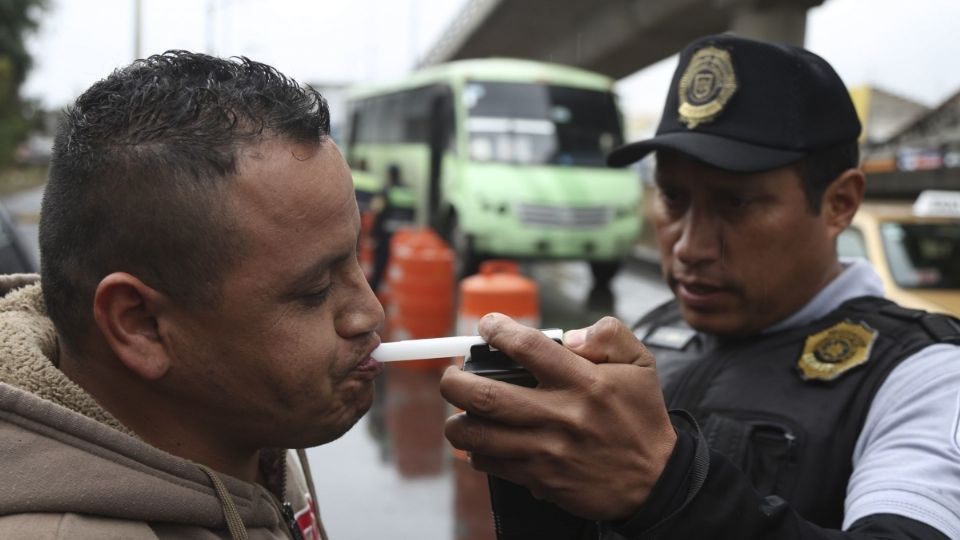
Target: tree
(17,18)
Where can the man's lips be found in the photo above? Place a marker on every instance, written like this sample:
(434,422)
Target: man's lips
(699,288)
(700,293)
(369,364)
(367,367)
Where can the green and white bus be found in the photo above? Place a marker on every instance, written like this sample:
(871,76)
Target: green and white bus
(505,158)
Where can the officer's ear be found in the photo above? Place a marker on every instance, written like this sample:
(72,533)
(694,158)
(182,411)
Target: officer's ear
(841,200)
(125,311)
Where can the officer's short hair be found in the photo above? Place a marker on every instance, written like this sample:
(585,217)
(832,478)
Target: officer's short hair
(821,167)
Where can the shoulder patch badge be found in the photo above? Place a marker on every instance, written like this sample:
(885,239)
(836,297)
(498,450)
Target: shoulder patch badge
(836,350)
(669,337)
(706,86)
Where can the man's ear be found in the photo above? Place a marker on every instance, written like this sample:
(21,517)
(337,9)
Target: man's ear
(841,200)
(125,311)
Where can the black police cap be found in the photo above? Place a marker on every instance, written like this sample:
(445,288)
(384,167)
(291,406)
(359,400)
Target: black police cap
(748,106)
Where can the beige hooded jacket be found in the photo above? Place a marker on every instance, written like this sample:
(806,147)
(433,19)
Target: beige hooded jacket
(68,469)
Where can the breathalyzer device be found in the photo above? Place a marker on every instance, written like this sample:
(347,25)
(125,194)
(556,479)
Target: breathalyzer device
(517,514)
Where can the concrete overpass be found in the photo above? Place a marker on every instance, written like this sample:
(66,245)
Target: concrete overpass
(613,37)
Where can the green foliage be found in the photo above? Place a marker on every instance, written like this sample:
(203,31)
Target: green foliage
(17,18)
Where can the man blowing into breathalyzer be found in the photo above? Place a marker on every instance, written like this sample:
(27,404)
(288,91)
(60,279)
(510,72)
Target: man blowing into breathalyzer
(201,310)
(802,405)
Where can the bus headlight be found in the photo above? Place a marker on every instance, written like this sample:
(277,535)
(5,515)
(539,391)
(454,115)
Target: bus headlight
(501,209)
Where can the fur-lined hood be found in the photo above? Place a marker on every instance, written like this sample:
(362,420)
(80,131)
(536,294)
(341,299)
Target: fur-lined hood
(29,352)
(70,468)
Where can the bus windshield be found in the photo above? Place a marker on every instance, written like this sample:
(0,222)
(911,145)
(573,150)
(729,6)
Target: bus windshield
(537,124)
(923,255)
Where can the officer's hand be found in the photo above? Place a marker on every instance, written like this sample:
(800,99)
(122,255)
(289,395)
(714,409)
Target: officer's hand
(593,437)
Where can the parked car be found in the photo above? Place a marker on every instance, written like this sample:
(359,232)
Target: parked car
(915,247)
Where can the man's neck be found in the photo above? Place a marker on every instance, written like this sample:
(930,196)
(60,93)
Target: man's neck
(156,419)
(833,291)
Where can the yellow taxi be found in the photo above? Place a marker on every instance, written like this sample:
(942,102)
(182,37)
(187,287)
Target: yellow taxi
(914,246)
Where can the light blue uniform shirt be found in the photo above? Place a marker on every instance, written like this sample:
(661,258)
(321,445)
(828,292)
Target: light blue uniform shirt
(907,458)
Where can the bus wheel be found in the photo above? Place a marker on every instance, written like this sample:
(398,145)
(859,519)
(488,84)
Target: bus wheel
(466,262)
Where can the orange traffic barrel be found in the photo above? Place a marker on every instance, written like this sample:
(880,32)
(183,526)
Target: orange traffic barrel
(420,280)
(498,287)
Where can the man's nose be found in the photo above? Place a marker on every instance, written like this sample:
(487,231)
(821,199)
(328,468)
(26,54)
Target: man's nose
(365,313)
(700,239)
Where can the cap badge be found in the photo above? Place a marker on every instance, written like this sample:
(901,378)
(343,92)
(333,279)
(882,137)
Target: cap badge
(706,86)
(831,352)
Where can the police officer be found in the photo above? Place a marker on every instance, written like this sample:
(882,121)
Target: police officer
(802,403)
(394,207)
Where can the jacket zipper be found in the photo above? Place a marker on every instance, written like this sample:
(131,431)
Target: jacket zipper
(291,520)
(285,508)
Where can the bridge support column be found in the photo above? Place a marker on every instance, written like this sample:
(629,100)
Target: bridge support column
(779,21)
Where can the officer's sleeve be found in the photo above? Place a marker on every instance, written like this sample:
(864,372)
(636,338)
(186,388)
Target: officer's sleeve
(703,495)
(907,457)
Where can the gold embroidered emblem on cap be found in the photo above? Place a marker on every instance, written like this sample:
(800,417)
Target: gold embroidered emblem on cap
(706,86)
(831,352)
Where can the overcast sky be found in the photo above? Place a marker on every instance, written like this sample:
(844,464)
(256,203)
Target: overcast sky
(907,47)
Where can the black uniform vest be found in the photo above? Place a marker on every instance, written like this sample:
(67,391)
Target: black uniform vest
(793,438)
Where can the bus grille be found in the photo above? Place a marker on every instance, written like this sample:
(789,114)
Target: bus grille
(553,216)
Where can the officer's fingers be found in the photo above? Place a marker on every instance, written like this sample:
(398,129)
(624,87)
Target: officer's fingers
(551,364)
(480,436)
(608,341)
(523,472)
(497,400)
(512,470)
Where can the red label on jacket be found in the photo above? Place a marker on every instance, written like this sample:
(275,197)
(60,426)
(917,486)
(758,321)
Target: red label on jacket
(307,520)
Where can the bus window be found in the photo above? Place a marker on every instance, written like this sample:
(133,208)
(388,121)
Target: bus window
(416,115)
(367,112)
(390,120)
(535,124)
